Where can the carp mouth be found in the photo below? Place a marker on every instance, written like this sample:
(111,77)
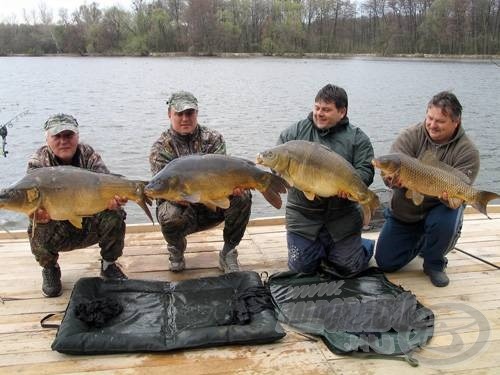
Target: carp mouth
(376,163)
(18,200)
(151,193)
(259,159)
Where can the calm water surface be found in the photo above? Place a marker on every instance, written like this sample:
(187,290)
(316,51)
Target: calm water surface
(120,105)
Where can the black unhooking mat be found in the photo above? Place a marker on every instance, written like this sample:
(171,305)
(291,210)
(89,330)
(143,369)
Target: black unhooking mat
(365,314)
(144,316)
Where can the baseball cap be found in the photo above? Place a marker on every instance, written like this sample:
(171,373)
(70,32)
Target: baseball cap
(59,123)
(182,100)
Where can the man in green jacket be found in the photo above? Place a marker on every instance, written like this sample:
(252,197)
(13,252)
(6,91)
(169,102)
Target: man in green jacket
(328,230)
(432,228)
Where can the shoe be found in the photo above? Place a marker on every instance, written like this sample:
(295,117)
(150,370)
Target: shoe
(438,278)
(51,286)
(178,265)
(229,262)
(112,271)
(176,256)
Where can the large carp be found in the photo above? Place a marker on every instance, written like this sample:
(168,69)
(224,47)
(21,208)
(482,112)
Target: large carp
(70,193)
(318,171)
(210,179)
(432,177)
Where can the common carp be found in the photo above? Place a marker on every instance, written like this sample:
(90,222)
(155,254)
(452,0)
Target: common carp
(210,179)
(70,193)
(432,177)
(318,171)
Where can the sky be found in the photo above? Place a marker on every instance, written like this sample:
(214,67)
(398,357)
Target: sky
(12,10)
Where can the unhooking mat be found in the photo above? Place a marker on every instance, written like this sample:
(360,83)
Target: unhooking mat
(111,316)
(364,314)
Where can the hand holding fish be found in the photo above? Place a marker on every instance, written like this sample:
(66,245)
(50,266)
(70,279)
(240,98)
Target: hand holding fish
(117,202)
(238,192)
(211,180)
(430,177)
(71,193)
(392,181)
(41,216)
(318,171)
(452,203)
(343,194)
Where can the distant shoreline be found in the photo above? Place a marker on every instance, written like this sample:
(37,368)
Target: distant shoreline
(333,56)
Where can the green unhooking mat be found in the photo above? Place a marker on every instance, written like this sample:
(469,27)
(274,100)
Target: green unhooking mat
(111,316)
(364,314)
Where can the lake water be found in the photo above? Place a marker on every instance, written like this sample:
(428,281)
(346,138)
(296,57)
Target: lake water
(120,105)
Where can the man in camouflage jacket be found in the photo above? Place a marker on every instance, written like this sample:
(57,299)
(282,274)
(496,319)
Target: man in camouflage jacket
(178,219)
(49,237)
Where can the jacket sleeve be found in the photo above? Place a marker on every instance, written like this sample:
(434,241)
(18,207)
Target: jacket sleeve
(363,156)
(289,134)
(35,162)
(160,156)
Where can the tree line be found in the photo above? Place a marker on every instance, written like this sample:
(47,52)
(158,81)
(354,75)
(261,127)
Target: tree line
(271,27)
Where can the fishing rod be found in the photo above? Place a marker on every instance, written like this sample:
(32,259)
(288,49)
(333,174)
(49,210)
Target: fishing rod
(4,132)
(478,258)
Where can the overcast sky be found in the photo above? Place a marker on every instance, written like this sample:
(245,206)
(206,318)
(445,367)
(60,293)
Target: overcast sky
(14,8)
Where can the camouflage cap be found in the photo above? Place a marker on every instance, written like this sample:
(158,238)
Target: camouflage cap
(182,100)
(59,123)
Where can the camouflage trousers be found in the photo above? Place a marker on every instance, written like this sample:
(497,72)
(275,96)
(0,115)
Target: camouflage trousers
(177,221)
(106,228)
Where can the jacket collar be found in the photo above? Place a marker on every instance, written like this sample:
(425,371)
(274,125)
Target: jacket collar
(185,137)
(341,125)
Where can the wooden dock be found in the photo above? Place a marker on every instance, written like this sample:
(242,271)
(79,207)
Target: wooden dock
(467,332)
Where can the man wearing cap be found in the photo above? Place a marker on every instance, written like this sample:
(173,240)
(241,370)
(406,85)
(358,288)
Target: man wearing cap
(51,236)
(178,219)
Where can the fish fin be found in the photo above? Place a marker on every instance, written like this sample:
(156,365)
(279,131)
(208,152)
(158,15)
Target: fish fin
(76,221)
(288,179)
(34,218)
(273,198)
(415,197)
(142,200)
(482,199)
(33,228)
(192,198)
(275,186)
(372,200)
(116,175)
(429,158)
(309,195)
(143,204)
(367,214)
(221,202)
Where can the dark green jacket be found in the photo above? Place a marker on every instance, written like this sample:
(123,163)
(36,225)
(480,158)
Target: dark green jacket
(341,217)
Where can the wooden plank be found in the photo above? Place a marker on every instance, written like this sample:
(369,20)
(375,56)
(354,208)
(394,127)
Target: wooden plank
(26,346)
